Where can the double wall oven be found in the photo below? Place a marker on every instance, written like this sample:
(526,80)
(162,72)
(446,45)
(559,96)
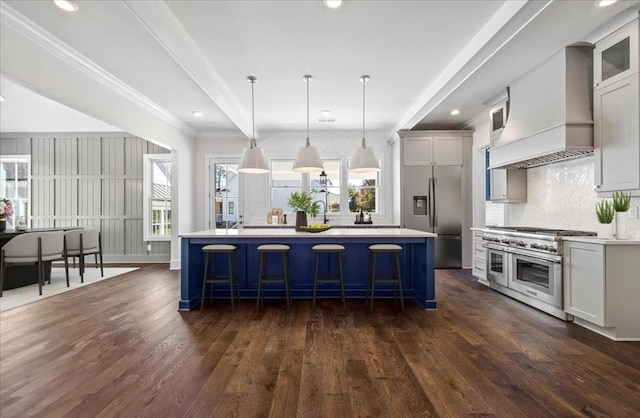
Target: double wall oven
(526,264)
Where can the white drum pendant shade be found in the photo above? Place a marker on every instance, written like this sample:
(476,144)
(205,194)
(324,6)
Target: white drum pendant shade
(308,160)
(363,160)
(253,161)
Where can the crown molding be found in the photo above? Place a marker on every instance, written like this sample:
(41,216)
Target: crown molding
(34,33)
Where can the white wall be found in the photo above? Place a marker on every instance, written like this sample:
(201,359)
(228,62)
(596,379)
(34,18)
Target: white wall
(285,145)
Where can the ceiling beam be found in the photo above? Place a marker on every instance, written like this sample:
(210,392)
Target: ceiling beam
(470,59)
(165,27)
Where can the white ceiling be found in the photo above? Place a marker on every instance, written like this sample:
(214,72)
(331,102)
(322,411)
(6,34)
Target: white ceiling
(424,57)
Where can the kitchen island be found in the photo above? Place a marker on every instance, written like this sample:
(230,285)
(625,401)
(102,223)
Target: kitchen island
(417,262)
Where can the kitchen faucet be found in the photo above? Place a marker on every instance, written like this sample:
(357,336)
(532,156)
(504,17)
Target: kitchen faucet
(324,213)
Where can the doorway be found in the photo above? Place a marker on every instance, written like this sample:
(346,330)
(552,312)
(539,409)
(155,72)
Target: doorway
(225,208)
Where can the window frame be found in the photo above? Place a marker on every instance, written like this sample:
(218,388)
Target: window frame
(148,221)
(24,158)
(305,181)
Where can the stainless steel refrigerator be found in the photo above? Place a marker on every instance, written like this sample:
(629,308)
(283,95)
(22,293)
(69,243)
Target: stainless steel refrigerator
(432,202)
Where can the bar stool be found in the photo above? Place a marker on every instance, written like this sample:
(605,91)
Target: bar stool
(210,252)
(394,250)
(263,278)
(329,278)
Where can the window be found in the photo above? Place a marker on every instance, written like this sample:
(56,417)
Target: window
(284,181)
(343,193)
(363,192)
(330,192)
(157,192)
(15,185)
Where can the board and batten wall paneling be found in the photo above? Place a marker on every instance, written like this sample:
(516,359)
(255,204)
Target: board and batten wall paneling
(90,153)
(89,198)
(15,146)
(91,181)
(66,156)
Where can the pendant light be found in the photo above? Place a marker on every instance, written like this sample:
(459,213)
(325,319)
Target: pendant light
(363,160)
(308,158)
(253,160)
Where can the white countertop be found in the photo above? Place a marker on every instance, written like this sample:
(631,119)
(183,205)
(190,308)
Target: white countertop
(291,233)
(603,241)
(333,225)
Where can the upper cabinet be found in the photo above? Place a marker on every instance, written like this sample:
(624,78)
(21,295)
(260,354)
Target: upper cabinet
(433,147)
(616,56)
(616,112)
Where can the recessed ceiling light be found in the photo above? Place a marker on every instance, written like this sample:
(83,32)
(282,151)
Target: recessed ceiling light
(455,112)
(67,5)
(1,98)
(604,3)
(333,4)
(197,113)
(326,113)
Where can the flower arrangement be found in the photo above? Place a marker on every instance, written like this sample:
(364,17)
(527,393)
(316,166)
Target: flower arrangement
(6,208)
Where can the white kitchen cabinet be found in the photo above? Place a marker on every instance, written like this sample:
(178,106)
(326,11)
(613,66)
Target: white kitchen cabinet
(433,147)
(479,268)
(616,114)
(601,286)
(508,186)
(616,57)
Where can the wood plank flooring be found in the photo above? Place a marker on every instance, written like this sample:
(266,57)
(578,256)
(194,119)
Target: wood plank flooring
(121,348)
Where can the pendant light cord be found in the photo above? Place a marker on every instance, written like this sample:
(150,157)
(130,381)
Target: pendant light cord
(307,79)
(253,144)
(364,82)
(253,116)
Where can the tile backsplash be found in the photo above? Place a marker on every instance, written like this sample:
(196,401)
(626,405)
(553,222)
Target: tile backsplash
(561,196)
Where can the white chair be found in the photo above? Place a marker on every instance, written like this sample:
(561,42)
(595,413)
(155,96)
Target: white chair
(81,243)
(33,248)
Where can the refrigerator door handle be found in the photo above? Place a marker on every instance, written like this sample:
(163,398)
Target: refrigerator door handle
(432,193)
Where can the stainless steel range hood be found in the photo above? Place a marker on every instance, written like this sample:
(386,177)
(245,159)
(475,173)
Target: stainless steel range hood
(550,116)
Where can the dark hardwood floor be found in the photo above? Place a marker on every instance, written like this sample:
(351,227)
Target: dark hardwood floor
(121,348)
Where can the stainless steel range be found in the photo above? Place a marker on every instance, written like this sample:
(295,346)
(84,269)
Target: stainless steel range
(526,264)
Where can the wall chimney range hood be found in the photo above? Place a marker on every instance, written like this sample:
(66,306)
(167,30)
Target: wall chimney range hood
(550,113)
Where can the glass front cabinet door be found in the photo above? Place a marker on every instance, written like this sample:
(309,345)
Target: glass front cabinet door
(616,56)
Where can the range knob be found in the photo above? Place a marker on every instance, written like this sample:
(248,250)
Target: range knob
(504,241)
(536,246)
(553,250)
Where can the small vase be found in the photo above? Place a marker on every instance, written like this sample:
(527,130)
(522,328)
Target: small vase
(605,231)
(301,219)
(621,225)
(3,225)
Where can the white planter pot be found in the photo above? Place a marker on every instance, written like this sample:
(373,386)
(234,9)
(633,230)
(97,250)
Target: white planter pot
(605,231)
(621,225)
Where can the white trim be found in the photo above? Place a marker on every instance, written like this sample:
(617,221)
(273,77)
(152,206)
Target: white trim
(27,28)
(146,183)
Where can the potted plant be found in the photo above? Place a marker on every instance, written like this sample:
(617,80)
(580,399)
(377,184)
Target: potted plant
(604,212)
(302,204)
(621,201)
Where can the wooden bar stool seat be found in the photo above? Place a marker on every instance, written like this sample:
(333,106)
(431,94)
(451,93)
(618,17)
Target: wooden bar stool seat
(264,278)
(231,277)
(338,277)
(394,251)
